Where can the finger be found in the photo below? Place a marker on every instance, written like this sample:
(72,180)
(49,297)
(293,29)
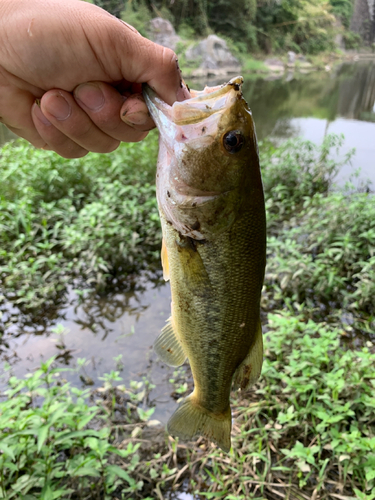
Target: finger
(144,61)
(15,106)
(104,105)
(60,108)
(53,138)
(135,113)
(163,74)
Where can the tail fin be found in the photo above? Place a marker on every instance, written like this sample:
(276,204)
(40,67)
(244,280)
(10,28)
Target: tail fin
(191,419)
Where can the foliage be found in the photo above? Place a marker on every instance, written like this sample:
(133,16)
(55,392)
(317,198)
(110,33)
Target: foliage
(307,427)
(321,245)
(250,65)
(93,218)
(295,170)
(352,40)
(343,9)
(299,25)
(112,6)
(272,25)
(48,451)
(136,14)
(327,255)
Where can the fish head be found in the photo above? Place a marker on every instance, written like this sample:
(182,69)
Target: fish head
(208,157)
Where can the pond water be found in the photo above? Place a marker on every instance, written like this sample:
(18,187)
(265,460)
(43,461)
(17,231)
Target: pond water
(311,105)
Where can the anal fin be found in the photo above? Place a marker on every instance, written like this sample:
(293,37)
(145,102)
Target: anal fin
(168,347)
(249,370)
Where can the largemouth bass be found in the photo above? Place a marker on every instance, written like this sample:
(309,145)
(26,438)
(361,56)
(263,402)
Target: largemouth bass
(211,204)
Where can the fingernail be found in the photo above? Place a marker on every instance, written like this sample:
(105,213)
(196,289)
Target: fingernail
(90,96)
(39,115)
(58,106)
(136,118)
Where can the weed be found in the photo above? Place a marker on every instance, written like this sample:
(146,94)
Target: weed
(306,428)
(92,219)
(47,450)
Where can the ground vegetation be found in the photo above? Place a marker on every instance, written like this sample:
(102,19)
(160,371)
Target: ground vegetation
(306,430)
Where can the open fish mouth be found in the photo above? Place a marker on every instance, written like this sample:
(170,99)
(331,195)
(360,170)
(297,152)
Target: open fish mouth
(193,118)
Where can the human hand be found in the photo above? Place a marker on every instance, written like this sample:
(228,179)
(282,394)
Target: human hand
(85,69)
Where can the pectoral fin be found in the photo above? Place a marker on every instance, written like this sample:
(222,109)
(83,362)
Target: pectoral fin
(164,261)
(168,346)
(190,260)
(249,370)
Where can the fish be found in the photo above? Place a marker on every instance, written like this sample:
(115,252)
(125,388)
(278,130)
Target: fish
(212,211)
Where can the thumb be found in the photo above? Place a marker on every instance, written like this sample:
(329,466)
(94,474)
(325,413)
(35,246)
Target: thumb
(144,61)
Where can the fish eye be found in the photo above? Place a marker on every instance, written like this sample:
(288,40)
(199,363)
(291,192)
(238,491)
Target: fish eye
(233,141)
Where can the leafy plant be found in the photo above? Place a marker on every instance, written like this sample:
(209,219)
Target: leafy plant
(47,450)
(327,255)
(94,218)
(352,40)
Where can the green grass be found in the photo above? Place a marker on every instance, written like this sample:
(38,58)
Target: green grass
(250,65)
(48,451)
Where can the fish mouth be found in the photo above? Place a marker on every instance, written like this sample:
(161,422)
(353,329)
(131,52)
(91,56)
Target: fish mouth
(183,121)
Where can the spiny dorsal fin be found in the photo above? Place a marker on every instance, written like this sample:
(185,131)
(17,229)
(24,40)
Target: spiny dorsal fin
(168,347)
(249,370)
(164,261)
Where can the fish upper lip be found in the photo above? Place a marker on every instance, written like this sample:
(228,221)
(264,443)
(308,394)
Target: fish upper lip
(234,83)
(195,110)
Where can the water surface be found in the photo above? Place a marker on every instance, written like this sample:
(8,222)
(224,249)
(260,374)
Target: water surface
(313,105)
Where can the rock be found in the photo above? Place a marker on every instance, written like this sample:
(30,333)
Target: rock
(275,65)
(162,32)
(291,57)
(214,56)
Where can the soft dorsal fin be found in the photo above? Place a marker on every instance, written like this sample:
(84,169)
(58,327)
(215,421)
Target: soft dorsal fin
(168,346)
(164,261)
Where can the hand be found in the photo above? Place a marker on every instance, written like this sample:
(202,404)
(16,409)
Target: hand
(71,75)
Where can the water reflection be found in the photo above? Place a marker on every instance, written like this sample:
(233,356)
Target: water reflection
(100,329)
(348,92)
(313,105)
(357,94)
